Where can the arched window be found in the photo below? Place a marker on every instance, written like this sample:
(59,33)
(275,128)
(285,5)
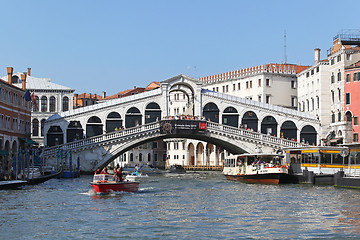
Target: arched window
(42,127)
(35,127)
(149,157)
(65,104)
(52,104)
(140,157)
(44,104)
(131,157)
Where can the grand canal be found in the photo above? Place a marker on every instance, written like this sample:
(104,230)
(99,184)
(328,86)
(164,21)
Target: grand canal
(190,206)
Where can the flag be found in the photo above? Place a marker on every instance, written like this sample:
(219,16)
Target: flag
(33,99)
(27,96)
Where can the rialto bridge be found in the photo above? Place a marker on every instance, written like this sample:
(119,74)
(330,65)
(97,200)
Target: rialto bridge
(180,108)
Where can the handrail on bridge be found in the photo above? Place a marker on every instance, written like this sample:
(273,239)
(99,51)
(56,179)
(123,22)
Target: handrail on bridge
(210,126)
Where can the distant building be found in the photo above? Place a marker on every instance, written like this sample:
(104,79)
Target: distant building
(15,118)
(50,97)
(87,99)
(262,83)
(325,87)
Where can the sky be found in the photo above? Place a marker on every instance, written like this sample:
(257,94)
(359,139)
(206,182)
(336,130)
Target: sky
(113,45)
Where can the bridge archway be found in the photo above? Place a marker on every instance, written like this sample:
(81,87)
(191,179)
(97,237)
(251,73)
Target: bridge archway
(74,131)
(152,113)
(191,154)
(288,130)
(269,126)
(94,127)
(133,117)
(211,112)
(308,135)
(250,121)
(230,117)
(113,121)
(55,136)
(199,154)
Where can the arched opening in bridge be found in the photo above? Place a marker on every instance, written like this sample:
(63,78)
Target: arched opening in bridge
(152,113)
(308,135)
(113,122)
(211,112)
(210,154)
(74,131)
(55,136)
(94,127)
(191,154)
(269,126)
(250,121)
(288,130)
(133,117)
(200,154)
(230,117)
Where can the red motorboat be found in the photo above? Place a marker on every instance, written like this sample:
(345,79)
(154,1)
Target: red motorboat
(105,183)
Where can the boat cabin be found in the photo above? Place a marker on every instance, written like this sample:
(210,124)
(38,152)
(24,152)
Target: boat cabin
(320,160)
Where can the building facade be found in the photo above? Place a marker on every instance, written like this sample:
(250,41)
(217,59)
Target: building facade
(15,119)
(352,101)
(51,98)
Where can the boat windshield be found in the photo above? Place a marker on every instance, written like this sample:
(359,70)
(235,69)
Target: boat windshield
(103,177)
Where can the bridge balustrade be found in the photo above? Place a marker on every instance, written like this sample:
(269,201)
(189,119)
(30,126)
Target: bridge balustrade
(213,127)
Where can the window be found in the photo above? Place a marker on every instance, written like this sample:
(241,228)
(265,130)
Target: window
(250,84)
(293,101)
(155,145)
(312,71)
(247,84)
(312,104)
(347,77)
(339,58)
(149,157)
(52,104)
(131,157)
(339,76)
(267,99)
(234,87)
(35,127)
(339,94)
(217,89)
(227,88)
(293,84)
(140,157)
(307,74)
(268,82)
(332,96)
(317,69)
(332,61)
(355,137)
(43,104)
(355,77)
(347,98)
(339,116)
(155,157)
(332,78)
(65,104)
(42,127)
(238,86)
(223,88)
(356,121)
(318,102)
(333,117)
(259,82)
(259,98)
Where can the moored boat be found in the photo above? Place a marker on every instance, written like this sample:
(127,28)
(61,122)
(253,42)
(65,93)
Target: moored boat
(137,177)
(257,168)
(105,183)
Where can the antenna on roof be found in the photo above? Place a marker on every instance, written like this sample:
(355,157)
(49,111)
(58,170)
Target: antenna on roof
(285,58)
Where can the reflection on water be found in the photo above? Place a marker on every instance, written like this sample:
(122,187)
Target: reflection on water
(182,206)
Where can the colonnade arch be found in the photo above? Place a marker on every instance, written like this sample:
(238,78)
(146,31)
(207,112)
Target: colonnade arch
(152,112)
(133,117)
(250,121)
(211,112)
(113,122)
(94,127)
(230,117)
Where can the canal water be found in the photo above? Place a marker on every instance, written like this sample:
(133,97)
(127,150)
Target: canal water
(188,206)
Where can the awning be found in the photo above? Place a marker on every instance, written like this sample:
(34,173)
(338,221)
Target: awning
(29,141)
(4,153)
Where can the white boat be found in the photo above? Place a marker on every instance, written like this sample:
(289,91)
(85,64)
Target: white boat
(257,168)
(32,172)
(137,177)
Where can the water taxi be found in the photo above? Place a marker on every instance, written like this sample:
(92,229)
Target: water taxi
(136,177)
(318,164)
(266,168)
(105,183)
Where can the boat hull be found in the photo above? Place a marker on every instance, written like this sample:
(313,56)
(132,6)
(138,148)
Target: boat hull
(271,178)
(104,188)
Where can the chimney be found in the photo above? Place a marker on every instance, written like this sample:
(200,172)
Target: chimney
(23,81)
(29,72)
(76,99)
(134,87)
(103,94)
(10,73)
(317,55)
